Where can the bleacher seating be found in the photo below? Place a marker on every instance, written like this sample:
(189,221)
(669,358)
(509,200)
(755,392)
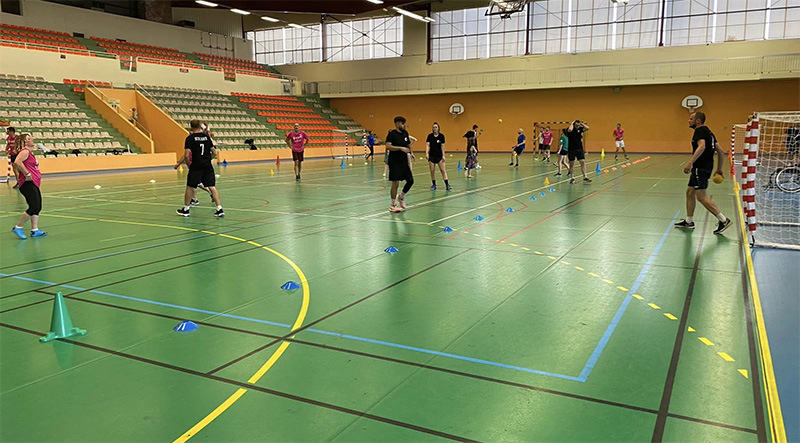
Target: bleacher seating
(285,111)
(235,64)
(55,121)
(230,124)
(41,37)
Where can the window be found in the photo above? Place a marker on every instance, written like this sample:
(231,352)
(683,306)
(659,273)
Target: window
(565,26)
(285,46)
(380,37)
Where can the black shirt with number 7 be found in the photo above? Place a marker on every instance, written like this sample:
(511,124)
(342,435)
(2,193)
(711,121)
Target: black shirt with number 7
(200,144)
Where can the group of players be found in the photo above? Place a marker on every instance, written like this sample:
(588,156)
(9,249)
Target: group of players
(199,152)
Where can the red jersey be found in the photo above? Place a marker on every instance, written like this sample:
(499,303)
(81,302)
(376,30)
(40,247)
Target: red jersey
(618,134)
(547,138)
(10,141)
(297,139)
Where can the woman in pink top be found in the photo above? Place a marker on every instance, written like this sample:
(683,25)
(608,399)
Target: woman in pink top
(29,179)
(619,141)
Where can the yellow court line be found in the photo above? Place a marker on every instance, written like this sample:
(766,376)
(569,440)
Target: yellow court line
(270,361)
(637,296)
(210,417)
(725,356)
(706,341)
(275,355)
(654,306)
(670,316)
(776,426)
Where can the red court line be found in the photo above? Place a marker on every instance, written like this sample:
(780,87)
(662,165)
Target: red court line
(571,206)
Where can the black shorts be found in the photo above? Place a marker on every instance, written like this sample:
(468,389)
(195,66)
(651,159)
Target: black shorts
(544,147)
(13,158)
(399,172)
(33,197)
(435,157)
(519,150)
(297,156)
(205,176)
(699,178)
(576,155)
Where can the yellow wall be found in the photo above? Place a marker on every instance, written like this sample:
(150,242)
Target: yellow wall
(652,115)
(168,135)
(119,122)
(50,165)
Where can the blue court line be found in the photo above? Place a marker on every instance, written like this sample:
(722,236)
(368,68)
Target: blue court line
(584,375)
(587,369)
(316,331)
(112,254)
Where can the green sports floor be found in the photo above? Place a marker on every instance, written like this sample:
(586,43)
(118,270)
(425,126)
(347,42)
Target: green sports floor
(563,313)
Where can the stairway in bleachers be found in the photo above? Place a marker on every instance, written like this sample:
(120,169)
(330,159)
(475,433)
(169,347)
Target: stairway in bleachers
(58,118)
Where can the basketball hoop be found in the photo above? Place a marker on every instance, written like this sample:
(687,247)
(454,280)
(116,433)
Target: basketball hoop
(456,109)
(505,8)
(692,102)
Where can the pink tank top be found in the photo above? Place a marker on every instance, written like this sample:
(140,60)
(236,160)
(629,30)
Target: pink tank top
(33,167)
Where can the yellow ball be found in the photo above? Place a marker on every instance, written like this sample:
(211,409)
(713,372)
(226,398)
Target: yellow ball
(499,120)
(718,178)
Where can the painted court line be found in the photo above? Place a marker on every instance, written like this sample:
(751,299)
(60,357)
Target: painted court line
(315,331)
(598,350)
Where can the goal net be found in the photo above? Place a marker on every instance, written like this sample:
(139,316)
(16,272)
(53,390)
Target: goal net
(771,178)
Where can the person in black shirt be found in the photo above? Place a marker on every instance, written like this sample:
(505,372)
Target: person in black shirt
(473,136)
(199,150)
(398,144)
(704,145)
(575,149)
(434,153)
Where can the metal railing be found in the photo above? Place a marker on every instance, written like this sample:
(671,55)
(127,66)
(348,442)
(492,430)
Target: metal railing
(118,109)
(733,68)
(135,58)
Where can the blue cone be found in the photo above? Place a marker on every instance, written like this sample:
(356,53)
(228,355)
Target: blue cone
(552,189)
(510,210)
(532,198)
(290,286)
(479,218)
(459,165)
(542,194)
(185,326)
(390,249)
(343,164)
(598,170)
(224,162)
(447,229)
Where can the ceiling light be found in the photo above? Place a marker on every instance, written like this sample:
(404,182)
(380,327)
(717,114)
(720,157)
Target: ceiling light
(429,20)
(376,2)
(296,26)
(239,11)
(409,14)
(269,19)
(205,3)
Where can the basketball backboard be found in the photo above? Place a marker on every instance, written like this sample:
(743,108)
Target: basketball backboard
(505,8)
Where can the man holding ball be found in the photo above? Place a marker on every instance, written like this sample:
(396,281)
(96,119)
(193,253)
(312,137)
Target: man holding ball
(704,146)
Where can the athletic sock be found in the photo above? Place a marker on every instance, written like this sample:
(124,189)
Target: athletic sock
(17,227)
(721,217)
(434,182)
(219,207)
(689,219)
(394,202)
(185,208)
(446,183)
(401,196)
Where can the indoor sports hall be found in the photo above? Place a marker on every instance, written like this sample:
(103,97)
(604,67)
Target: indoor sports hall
(464,220)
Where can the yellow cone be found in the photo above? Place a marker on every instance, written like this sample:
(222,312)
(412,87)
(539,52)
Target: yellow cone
(271,172)
(602,153)
(546,181)
(180,168)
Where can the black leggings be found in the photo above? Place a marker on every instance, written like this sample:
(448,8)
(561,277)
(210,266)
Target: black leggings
(33,196)
(409,184)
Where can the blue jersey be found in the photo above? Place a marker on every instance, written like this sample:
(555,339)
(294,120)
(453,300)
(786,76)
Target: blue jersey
(521,142)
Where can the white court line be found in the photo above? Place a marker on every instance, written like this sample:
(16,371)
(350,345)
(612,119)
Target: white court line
(461,194)
(305,214)
(505,199)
